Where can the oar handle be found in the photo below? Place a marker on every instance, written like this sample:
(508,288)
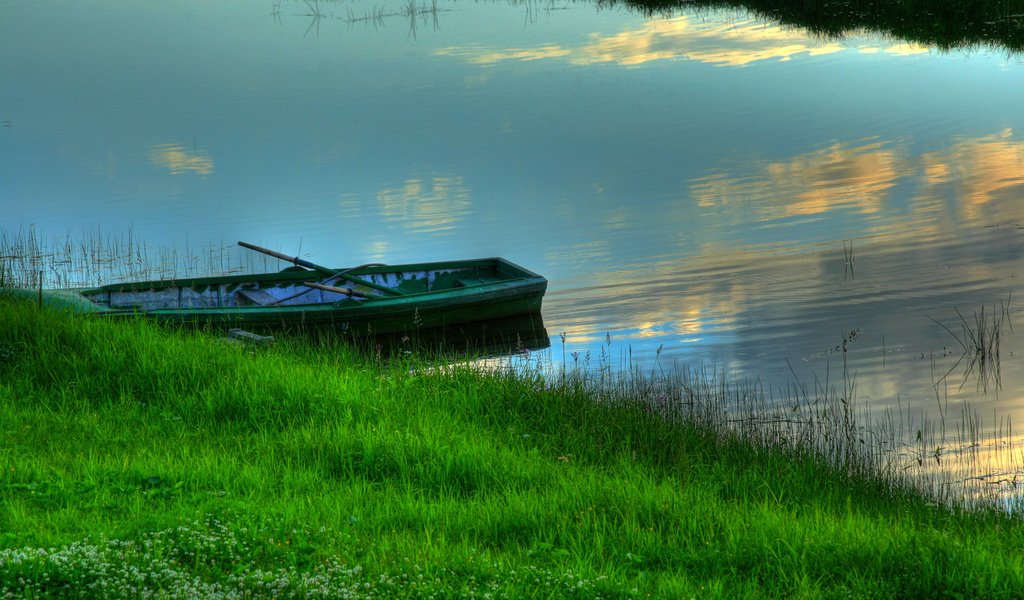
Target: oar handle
(295,260)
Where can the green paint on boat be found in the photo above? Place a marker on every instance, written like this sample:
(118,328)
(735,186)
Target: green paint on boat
(436,294)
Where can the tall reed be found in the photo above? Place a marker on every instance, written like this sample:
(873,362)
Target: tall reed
(28,259)
(956,460)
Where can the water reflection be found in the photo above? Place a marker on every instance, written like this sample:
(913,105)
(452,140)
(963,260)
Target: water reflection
(729,44)
(962,24)
(434,206)
(841,177)
(910,27)
(481,56)
(861,178)
(179,160)
(782,317)
(516,336)
(937,234)
(723,44)
(979,171)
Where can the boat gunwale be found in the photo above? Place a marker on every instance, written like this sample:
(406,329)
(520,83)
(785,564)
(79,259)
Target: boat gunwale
(478,293)
(292,274)
(517,282)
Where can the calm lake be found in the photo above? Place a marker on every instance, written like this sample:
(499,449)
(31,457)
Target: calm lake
(702,187)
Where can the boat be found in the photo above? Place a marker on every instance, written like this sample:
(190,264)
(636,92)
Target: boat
(370,299)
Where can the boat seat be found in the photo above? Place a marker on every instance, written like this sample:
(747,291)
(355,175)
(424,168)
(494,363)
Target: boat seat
(256,297)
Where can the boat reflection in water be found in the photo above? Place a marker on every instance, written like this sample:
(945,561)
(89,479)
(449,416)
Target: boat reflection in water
(475,340)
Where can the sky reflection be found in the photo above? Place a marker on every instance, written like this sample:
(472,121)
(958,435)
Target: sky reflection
(179,160)
(861,177)
(434,206)
(733,43)
(979,171)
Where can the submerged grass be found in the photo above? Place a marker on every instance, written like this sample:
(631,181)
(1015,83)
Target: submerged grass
(141,461)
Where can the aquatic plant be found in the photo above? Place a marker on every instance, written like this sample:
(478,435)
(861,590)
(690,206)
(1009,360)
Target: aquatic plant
(980,344)
(29,260)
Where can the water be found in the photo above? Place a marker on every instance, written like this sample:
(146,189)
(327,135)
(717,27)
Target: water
(701,188)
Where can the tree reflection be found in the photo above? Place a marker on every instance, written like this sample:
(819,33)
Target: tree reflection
(947,25)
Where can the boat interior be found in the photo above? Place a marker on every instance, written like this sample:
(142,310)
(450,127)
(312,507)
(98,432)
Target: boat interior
(291,287)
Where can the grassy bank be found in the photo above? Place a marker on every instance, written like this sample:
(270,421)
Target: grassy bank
(135,459)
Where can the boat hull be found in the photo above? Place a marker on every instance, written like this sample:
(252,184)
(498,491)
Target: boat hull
(430,295)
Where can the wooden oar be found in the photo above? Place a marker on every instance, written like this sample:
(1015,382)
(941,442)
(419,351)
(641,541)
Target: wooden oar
(305,263)
(338,290)
(327,288)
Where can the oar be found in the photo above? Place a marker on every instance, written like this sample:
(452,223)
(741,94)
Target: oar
(330,288)
(319,286)
(331,272)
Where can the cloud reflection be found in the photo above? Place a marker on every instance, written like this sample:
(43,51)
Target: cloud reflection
(932,227)
(979,171)
(490,57)
(860,177)
(854,177)
(432,206)
(733,44)
(179,160)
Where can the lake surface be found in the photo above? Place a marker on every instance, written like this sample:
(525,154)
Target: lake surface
(702,188)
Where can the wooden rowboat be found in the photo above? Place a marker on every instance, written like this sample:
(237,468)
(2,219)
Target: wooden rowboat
(372,299)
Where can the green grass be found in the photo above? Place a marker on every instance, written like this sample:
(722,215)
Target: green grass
(135,459)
